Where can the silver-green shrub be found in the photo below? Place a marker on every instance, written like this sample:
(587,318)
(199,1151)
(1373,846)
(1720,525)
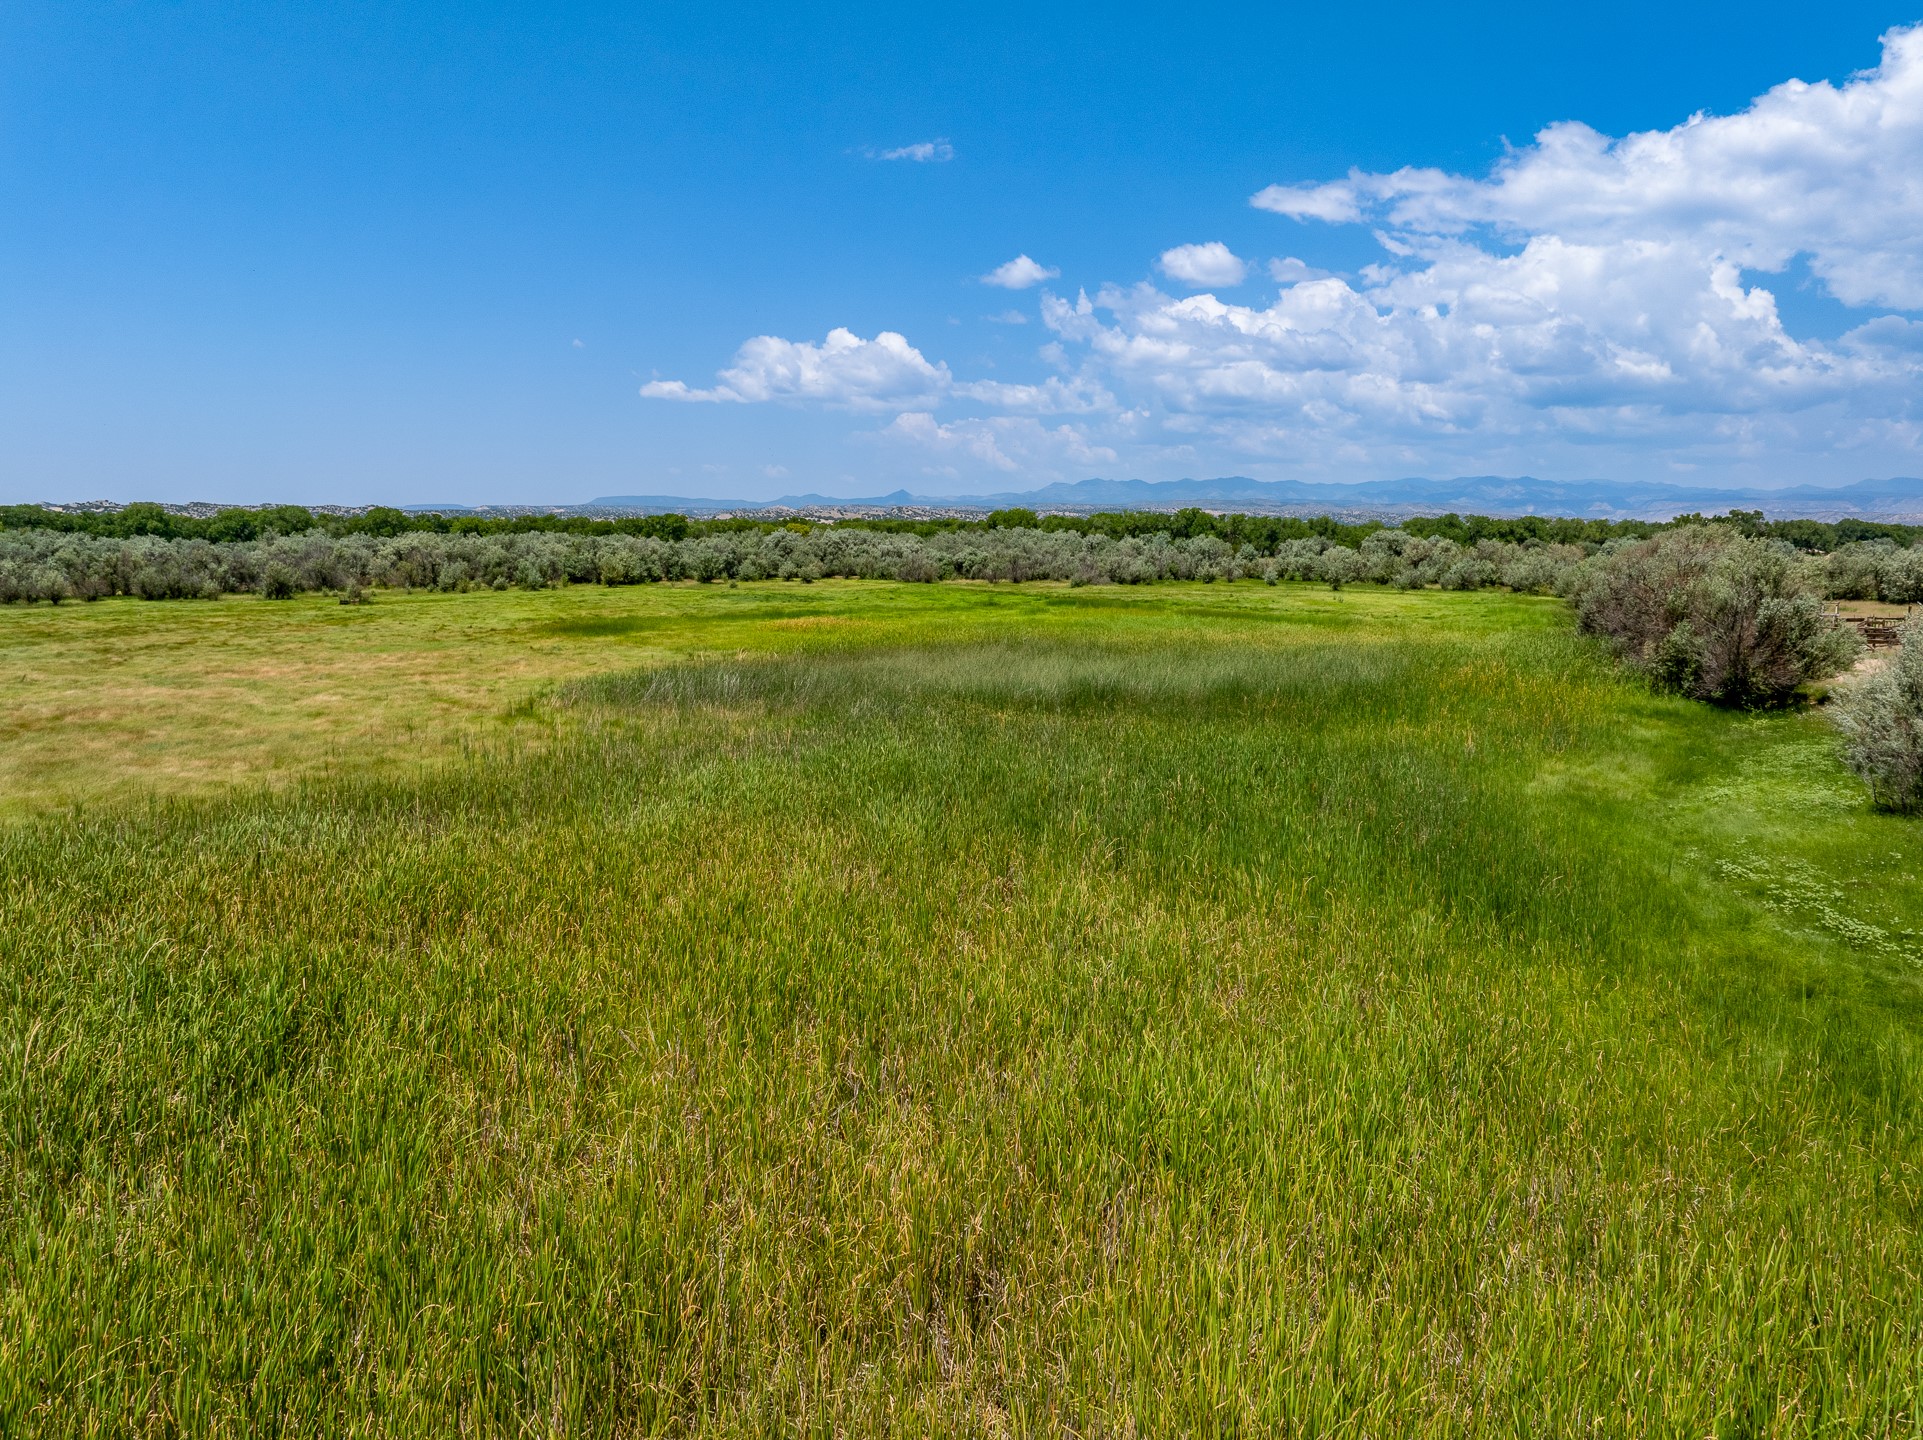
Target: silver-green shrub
(1713,614)
(1882,723)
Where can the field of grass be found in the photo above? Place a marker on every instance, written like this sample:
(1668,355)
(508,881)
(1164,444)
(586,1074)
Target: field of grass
(862,1008)
(121,699)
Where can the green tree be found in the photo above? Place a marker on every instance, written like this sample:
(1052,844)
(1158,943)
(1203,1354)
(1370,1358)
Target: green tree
(1013,518)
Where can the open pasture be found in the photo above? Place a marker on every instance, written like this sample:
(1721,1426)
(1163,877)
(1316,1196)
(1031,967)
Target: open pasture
(862,1008)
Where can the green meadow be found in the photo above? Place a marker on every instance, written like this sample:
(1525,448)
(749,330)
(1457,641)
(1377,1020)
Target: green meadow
(862,1008)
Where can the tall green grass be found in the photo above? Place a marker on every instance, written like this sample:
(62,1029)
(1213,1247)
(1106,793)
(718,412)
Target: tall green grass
(1189,1019)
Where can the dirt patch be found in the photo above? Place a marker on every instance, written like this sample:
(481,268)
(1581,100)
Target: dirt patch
(1868,664)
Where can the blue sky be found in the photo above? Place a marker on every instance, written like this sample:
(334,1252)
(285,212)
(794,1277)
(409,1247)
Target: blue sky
(409,254)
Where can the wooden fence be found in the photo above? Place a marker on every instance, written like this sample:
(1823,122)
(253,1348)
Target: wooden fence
(1879,632)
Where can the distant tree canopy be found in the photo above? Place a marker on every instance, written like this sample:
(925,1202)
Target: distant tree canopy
(239,523)
(1263,533)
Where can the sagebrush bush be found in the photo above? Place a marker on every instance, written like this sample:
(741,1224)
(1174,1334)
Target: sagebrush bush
(277,583)
(1339,566)
(1714,615)
(1882,724)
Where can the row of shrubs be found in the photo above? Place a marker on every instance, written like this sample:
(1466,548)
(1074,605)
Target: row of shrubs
(55,566)
(49,565)
(1704,610)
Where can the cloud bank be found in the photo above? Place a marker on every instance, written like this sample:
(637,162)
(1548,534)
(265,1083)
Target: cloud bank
(1593,302)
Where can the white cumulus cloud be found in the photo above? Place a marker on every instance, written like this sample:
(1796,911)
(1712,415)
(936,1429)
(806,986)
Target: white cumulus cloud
(1054,396)
(1289,270)
(922,152)
(843,370)
(1019,274)
(1201,266)
(1827,171)
(1334,202)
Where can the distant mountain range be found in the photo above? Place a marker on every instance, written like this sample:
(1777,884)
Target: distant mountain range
(1894,499)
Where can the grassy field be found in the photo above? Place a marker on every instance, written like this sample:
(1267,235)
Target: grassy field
(861,1009)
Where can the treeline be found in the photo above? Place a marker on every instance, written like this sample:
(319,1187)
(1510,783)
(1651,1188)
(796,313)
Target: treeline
(382,521)
(1264,533)
(50,565)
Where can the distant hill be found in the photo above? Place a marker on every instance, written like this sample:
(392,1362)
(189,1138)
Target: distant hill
(1899,498)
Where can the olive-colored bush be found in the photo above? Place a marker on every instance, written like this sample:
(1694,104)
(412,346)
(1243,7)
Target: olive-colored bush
(1714,615)
(1882,724)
